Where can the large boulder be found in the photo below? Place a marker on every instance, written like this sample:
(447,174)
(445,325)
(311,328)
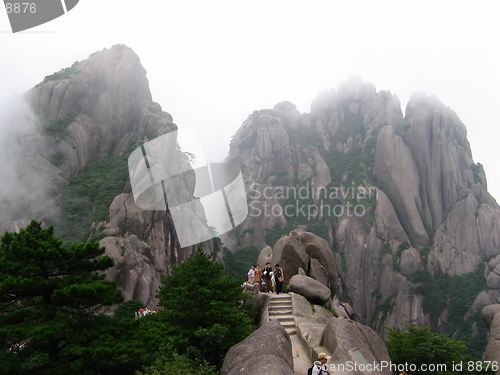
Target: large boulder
(301,307)
(491,317)
(266,351)
(345,339)
(307,252)
(266,255)
(323,266)
(304,309)
(311,289)
(290,253)
(397,172)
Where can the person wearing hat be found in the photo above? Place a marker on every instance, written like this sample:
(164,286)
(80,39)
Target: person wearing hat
(320,364)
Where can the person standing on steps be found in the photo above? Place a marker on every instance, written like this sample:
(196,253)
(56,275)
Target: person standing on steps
(258,277)
(251,275)
(267,274)
(279,277)
(273,283)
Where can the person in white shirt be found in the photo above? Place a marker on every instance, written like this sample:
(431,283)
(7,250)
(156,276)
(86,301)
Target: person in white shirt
(273,282)
(320,364)
(251,275)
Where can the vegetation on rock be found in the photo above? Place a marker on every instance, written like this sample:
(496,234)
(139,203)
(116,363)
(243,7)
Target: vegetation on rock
(239,262)
(47,293)
(456,295)
(89,195)
(426,350)
(49,320)
(202,305)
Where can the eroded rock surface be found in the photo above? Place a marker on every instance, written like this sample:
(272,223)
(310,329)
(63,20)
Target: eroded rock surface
(491,317)
(308,253)
(99,108)
(268,350)
(425,203)
(311,289)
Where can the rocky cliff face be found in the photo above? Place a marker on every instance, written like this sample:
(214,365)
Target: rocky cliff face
(399,198)
(109,96)
(96,109)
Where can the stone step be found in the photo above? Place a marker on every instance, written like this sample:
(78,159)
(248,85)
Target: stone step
(281,304)
(287,324)
(285,314)
(291,331)
(279,309)
(282,319)
(280,296)
(280,312)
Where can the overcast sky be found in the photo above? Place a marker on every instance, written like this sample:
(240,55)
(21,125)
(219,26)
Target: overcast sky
(212,63)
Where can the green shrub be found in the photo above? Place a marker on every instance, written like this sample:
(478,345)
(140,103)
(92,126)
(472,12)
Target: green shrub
(58,128)
(275,233)
(63,73)
(57,159)
(175,364)
(476,170)
(305,136)
(343,260)
(402,127)
(89,195)
(201,304)
(127,309)
(456,293)
(238,263)
(419,346)
(320,229)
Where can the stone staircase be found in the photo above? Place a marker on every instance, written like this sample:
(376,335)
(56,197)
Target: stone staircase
(280,309)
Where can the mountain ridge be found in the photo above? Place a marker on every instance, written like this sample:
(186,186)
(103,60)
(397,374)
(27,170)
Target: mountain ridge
(91,112)
(423,210)
(432,211)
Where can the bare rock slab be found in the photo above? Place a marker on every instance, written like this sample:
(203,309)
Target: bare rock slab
(311,289)
(268,350)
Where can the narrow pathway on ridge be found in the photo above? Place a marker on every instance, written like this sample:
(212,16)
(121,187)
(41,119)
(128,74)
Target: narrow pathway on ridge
(280,309)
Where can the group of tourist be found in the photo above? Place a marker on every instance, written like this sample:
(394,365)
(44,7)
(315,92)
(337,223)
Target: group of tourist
(267,280)
(143,312)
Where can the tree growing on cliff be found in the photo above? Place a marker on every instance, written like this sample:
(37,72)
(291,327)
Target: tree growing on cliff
(48,295)
(201,304)
(424,349)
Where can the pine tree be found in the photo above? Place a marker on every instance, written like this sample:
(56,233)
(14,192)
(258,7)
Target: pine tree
(202,305)
(48,296)
(422,348)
